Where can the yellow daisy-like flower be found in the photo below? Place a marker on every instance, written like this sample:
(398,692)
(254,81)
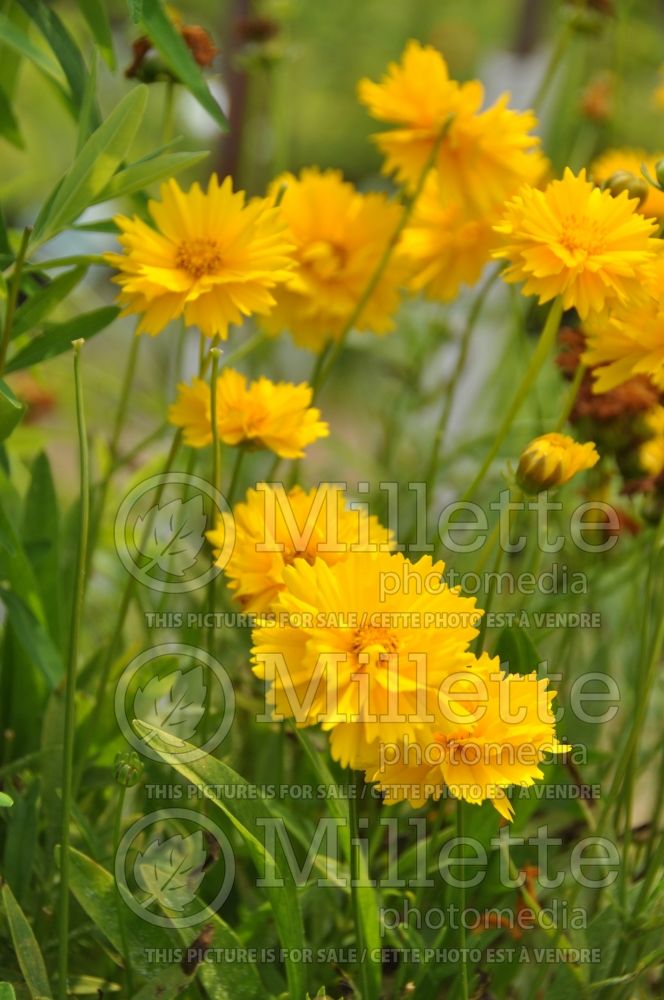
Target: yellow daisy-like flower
(340,236)
(551,460)
(275,529)
(261,414)
(484,157)
(651,452)
(364,647)
(575,241)
(629,342)
(614,160)
(509,733)
(447,247)
(212,258)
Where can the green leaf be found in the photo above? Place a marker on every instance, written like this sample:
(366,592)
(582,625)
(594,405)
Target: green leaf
(9,127)
(27,950)
(16,39)
(11,410)
(136,10)
(39,305)
(96,892)
(88,119)
(517,651)
(7,992)
(173,49)
(94,12)
(21,840)
(6,802)
(62,44)
(33,638)
(94,166)
(140,175)
(57,337)
(244,810)
(40,534)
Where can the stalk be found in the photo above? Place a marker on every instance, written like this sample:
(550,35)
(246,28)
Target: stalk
(12,298)
(70,681)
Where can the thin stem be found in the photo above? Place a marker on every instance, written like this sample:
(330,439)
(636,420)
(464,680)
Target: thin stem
(462,907)
(452,386)
(235,476)
(571,396)
(12,298)
(117,830)
(355,874)
(125,391)
(94,718)
(540,355)
(386,256)
(216,474)
(70,682)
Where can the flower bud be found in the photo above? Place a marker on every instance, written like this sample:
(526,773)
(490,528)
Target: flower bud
(659,173)
(128,768)
(623,180)
(552,460)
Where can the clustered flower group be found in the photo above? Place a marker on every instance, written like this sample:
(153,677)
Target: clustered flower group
(389,672)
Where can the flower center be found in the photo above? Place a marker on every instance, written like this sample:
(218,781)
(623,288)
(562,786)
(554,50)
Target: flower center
(581,236)
(199,257)
(374,642)
(324,258)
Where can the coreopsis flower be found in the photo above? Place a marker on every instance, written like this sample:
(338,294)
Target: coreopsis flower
(211,258)
(552,460)
(364,647)
(509,732)
(484,157)
(579,243)
(616,161)
(261,414)
(340,237)
(274,530)
(629,342)
(651,452)
(447,246)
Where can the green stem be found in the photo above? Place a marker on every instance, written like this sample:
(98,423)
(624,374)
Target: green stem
(235,476)
(452,386)
(12,298)
(540,355)
(125,391)
(70,682)
(216,474)
(355,875)
(117,830)
(385,258)
(94,718)
(571,396)
(462,907)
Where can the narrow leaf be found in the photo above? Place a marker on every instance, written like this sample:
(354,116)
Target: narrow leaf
(140,175)
(39,305)
(27,950)
(94,12)
(57,337)
(172,47)
(11,410)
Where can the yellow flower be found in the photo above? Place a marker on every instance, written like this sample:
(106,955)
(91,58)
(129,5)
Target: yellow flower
(275,529)
(261,414)
(211,258)
(614,160)
(651,452)
(575,241)
(510,730)
(485,155)
(448,247)
(627,343)
(363,647)
(551,460)
(340,236)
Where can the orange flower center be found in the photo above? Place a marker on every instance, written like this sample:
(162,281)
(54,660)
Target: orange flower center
(374,642)
(199,257)
(579,235)
(324,258)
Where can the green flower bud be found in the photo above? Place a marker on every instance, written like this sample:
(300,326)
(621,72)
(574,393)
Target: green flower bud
(128,768)
(623,180)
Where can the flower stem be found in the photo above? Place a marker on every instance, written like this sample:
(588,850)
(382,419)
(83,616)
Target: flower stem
(235,476)
(216,474)
(385,258)
(540,355)
(70,680)
(12,298)
(355,875)
(117,830)
(462,907)
(571,396)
